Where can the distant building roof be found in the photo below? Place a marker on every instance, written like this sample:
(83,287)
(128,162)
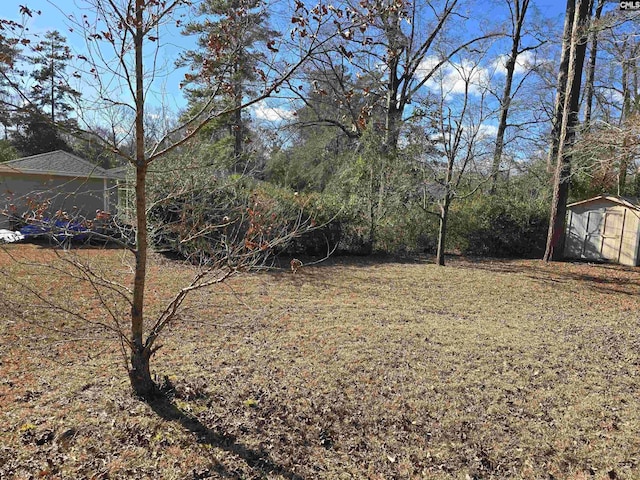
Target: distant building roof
(119,172)
(630,202)
(435,190)
(57,163)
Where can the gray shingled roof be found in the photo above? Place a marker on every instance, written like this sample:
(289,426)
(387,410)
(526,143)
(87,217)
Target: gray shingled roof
(119,172)
(56,163)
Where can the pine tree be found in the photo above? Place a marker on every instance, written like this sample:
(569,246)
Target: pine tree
(234,63)
(36,134)
(9,55)
(39,125)
(51,91)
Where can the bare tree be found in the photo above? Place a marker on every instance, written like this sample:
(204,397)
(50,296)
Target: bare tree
(611,91)
(518,11)
(602,151)
(123,43)
(454,170)
(398,47)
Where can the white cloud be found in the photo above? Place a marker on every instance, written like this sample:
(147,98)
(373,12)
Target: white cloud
(272,114)
(453,77)
(427,66)
(487,131)
(525,62)
(612,95)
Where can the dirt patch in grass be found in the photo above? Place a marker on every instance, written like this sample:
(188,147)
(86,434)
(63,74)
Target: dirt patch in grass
(350,369)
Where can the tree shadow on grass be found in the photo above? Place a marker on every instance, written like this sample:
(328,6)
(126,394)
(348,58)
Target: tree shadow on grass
(598,276)
(257,460)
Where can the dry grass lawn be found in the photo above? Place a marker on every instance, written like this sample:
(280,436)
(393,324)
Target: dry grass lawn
(352,369)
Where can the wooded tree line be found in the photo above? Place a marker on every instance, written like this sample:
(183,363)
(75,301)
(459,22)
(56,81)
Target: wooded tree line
(397,125)
(406,108)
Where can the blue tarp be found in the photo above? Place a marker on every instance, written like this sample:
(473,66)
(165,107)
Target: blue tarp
(60,230)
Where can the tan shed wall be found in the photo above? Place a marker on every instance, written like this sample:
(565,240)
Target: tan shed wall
(603,230)
(629,241)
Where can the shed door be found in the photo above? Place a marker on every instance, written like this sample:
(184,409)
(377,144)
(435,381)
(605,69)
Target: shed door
(593,236)
(612,235)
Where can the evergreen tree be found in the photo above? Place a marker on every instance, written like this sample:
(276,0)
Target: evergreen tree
(7,151)
(51,91)
(39,126)
(36,134)
(234,64)
(9,54)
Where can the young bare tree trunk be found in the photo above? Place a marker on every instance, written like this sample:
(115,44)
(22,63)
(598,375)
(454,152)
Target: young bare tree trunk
(565,141)
(442,229)
(129,28)
(237,128)
(139,373)
(520,10)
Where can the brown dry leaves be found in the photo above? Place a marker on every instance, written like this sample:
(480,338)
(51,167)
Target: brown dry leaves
(362,368)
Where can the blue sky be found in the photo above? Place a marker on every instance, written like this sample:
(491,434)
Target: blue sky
(53,18)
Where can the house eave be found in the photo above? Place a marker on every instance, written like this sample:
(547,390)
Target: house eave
(49,173)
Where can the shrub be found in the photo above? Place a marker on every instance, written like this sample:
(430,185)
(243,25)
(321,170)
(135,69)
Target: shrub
(500,227)
(238,215)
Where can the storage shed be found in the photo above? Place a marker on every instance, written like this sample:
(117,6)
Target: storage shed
(604,228)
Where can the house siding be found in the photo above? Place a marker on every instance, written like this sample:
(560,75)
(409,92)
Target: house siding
(76,196)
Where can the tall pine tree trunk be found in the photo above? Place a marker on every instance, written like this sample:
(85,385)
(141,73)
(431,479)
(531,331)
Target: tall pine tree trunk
(563,69)
(565,141)
(238,130)
(589,91)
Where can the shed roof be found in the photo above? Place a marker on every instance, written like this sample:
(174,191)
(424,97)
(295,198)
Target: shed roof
(59,163)
(629,202)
